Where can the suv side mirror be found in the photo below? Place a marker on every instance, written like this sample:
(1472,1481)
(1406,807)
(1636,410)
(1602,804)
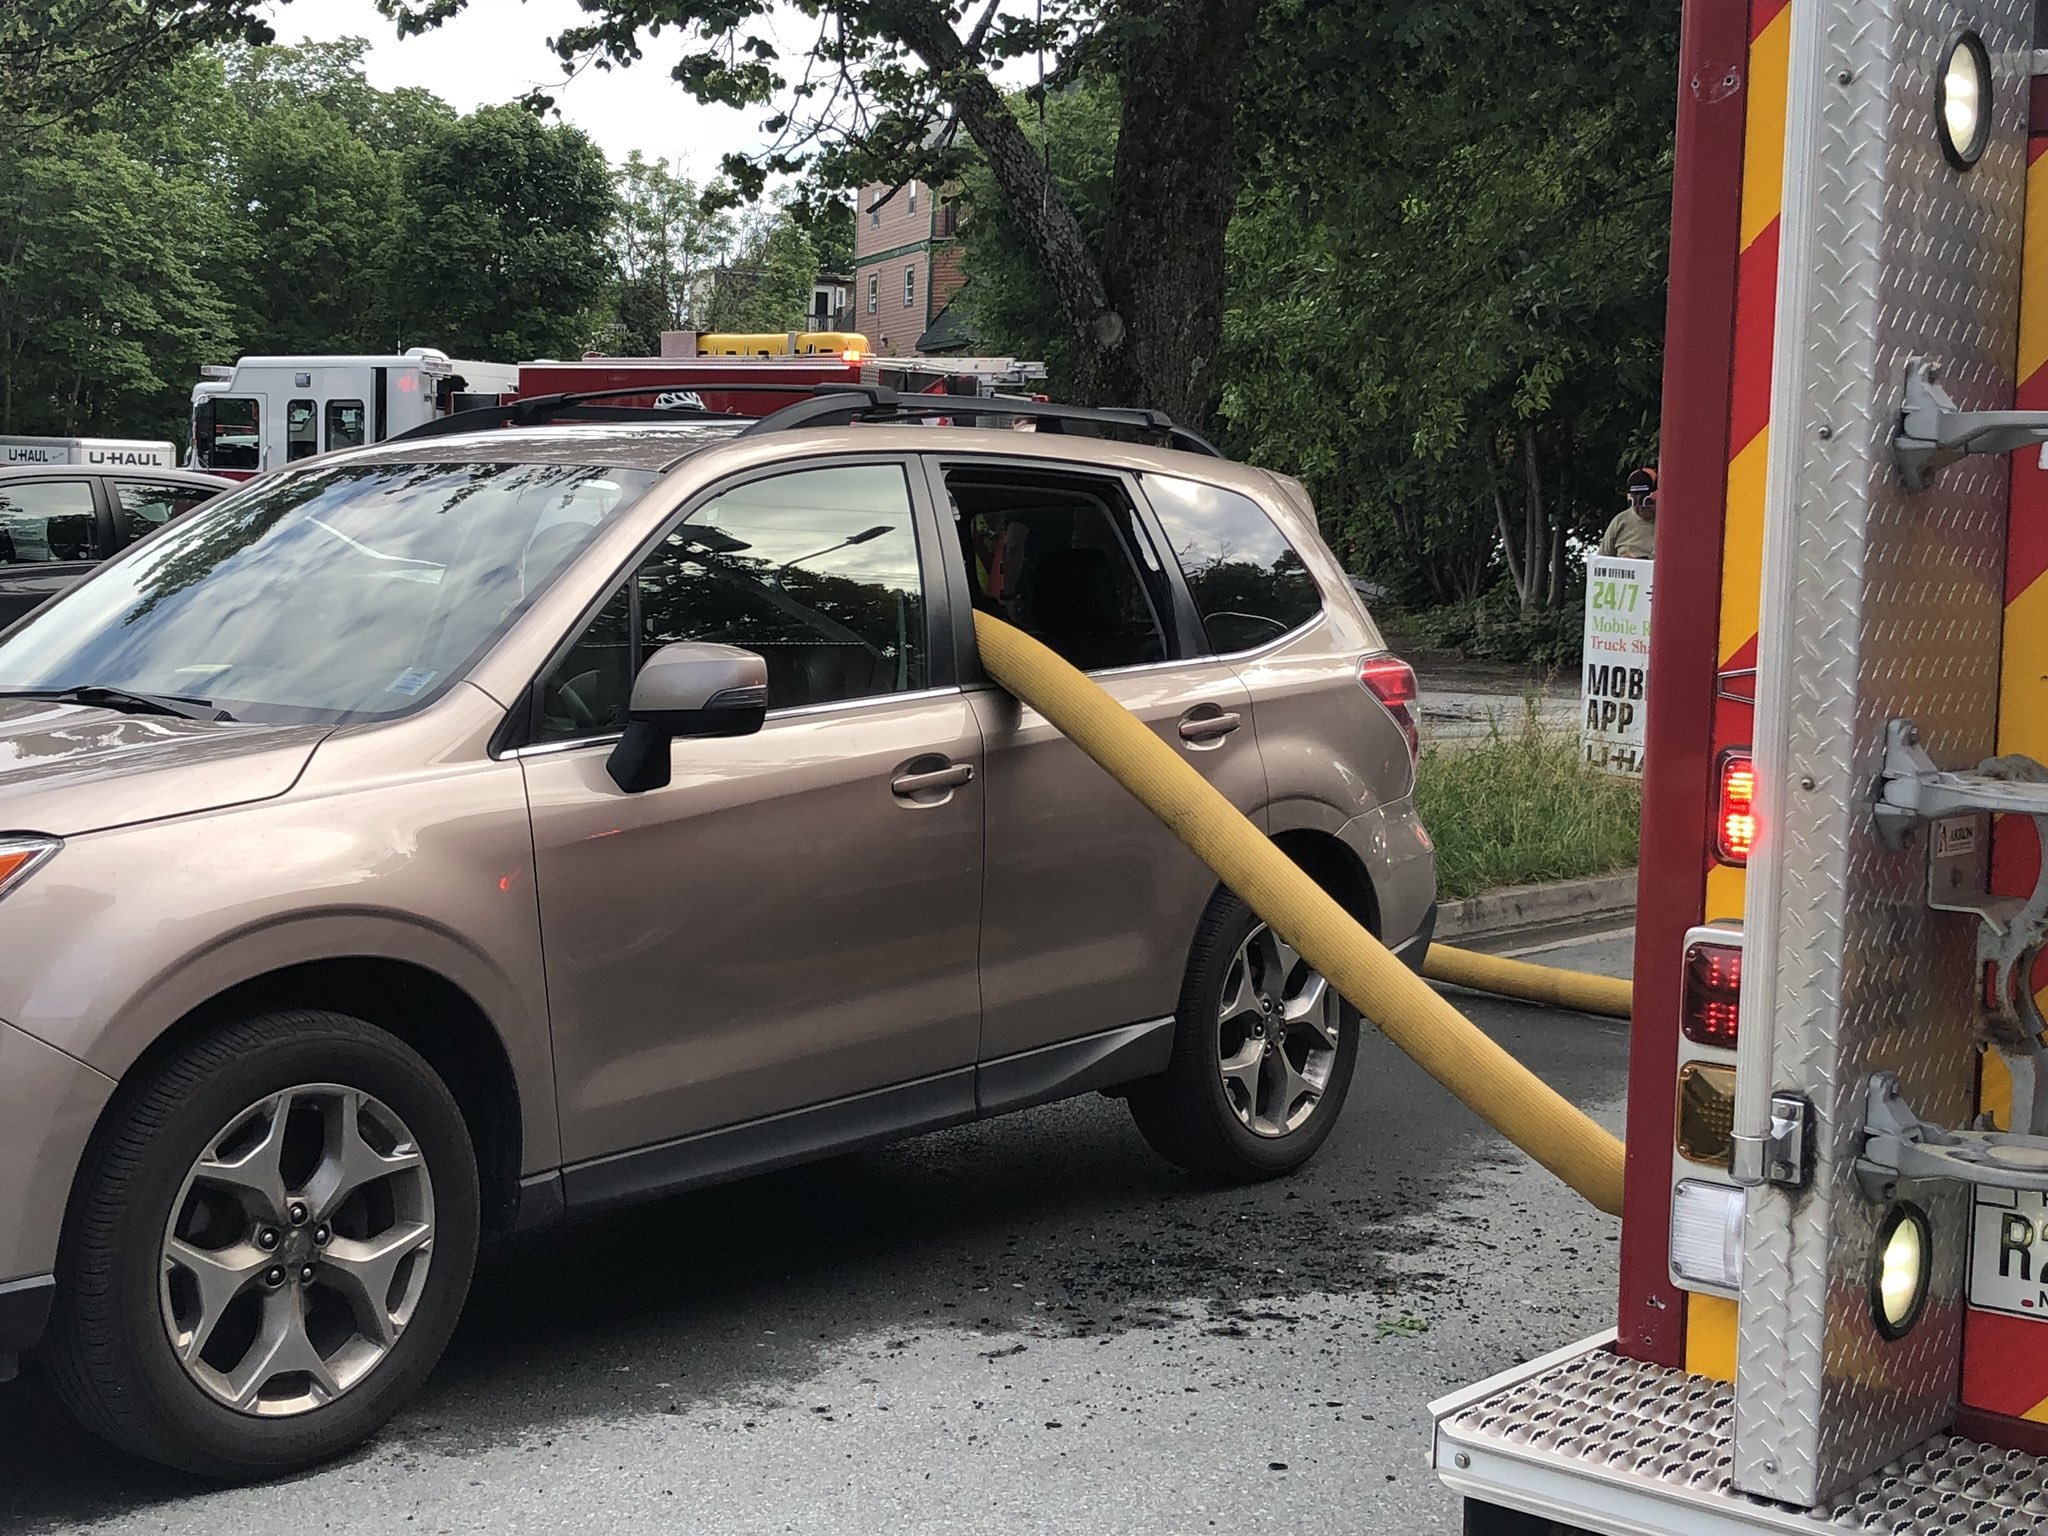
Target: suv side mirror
(687,690)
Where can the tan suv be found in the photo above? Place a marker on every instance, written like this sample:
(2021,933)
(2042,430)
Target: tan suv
(447,835)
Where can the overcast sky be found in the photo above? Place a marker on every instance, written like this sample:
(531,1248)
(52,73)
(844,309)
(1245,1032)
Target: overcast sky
(497,50)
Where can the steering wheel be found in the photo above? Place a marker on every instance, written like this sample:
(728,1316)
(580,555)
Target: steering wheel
(569,695)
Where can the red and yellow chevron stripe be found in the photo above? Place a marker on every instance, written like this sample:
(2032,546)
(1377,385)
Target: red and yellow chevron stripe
(1710,1320)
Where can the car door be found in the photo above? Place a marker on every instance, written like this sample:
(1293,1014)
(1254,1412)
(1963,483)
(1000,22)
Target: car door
(142,505)
(52,532)
(1090,903)
(793,920)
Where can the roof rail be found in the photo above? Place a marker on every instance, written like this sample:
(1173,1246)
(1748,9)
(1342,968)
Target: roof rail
(834,404)
(542,408)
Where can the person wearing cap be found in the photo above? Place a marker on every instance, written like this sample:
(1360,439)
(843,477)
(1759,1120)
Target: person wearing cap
(1633,533)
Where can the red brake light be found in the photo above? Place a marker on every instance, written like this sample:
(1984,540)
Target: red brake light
(1392,682)
(1735,812)
(1713,994)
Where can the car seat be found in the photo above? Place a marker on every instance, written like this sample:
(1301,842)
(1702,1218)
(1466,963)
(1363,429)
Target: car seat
(70,538)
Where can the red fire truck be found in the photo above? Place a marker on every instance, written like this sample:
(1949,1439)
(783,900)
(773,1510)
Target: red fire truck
(265,411)
(1834,1277)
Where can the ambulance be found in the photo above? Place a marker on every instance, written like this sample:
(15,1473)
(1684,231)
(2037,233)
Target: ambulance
(265,411)
(1833,1309)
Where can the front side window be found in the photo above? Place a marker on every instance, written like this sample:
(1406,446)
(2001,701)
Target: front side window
(353,593)
(225,431)
(49,522)
(815,571)
(1064,560)
(142,507)
(344,424)
(1248,583)
(301,430)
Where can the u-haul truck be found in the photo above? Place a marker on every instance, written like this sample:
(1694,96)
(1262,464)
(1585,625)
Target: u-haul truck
(265,411)
(1834,1273)
(92,452)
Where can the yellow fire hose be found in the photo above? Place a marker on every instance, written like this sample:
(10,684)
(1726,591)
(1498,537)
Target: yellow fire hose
(1544,984)
(1442,1041)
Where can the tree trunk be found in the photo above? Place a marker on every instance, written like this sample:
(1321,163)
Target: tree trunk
(1146,312)
(1507,543)
(1536,551)
(1182,64)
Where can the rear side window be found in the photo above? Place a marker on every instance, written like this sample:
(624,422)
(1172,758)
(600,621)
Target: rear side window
(50,522)
(1249,584)
(146,507)
(301,431)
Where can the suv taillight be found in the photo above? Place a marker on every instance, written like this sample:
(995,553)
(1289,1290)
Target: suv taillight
(1735,807)
(1392,682)
(1712,1011)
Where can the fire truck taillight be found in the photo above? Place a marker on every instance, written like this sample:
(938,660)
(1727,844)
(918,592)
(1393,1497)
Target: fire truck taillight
(1735,809)
(1706,1235)
(1711,1013)
(1392,682)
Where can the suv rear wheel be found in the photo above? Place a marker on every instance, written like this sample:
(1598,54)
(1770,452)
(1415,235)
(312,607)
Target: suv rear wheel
(269,1249)
(1262,1055)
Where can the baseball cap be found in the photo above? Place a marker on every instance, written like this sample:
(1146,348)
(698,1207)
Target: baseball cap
(1642,482)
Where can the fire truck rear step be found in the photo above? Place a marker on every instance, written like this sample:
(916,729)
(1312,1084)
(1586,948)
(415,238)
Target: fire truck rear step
(1608,1444)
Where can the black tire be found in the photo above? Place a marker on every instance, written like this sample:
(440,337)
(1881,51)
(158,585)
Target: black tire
(1186,1114)
(108,1354)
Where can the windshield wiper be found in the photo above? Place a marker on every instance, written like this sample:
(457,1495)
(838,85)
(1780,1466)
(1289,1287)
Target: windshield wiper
(124,701)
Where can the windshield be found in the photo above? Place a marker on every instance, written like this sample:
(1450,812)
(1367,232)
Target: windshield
(353,593)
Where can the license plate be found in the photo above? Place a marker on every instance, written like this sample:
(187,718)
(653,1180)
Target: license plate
(2009,1253)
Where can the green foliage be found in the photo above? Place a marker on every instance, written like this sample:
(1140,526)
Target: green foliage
(1494,628)
(1009,300)
(766,283)
(1521,807)
(504,237)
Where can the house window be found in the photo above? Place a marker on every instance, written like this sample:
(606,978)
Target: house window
(874,291)
(913,199)
(874,196)
(909,286)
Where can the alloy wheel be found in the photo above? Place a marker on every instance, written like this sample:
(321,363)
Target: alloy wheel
(297,1250)
(1277,1035)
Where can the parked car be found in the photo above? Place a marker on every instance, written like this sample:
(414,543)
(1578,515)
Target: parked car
(438,837)
(58,521)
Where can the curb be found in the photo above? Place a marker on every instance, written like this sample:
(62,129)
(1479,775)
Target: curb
(1534,906)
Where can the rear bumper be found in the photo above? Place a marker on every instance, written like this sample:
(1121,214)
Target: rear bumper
(1597,1442)
(1413,951)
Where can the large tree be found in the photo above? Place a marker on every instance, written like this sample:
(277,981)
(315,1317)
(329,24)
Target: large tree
(504,253)
(889,90)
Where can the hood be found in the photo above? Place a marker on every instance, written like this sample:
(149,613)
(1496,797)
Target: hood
(68,769)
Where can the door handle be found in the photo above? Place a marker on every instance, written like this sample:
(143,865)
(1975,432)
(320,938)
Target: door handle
(952,776)
(1209,727)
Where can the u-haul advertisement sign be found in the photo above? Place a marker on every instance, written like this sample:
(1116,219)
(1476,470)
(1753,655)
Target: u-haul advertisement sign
(1616,685)
(89,452)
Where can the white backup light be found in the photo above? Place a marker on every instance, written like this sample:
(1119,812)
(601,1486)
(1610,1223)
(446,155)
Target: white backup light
(1706,1234)
(1905,1260)
(1963,105)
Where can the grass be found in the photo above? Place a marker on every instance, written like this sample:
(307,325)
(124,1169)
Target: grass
(1518,807)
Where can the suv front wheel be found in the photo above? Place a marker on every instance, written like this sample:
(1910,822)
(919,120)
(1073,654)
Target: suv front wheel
(269,1248)
(1262,1055)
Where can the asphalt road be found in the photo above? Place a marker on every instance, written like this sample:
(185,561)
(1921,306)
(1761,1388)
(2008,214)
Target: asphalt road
(1029,1325)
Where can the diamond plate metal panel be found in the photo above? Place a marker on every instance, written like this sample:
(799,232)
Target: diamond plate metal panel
(1877,603)
(1630,1431)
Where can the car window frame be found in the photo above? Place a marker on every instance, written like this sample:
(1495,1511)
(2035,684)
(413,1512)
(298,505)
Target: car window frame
(104,522)
(1179,577)
(1181,621)
(519,735)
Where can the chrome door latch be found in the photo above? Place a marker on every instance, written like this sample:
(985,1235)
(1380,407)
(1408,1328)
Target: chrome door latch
(1785,1156)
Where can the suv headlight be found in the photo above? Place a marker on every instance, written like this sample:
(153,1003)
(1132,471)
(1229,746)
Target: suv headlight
(20,857)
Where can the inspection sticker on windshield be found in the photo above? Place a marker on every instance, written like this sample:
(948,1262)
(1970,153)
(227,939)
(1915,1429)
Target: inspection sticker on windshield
(413,680)
(2009,1253)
